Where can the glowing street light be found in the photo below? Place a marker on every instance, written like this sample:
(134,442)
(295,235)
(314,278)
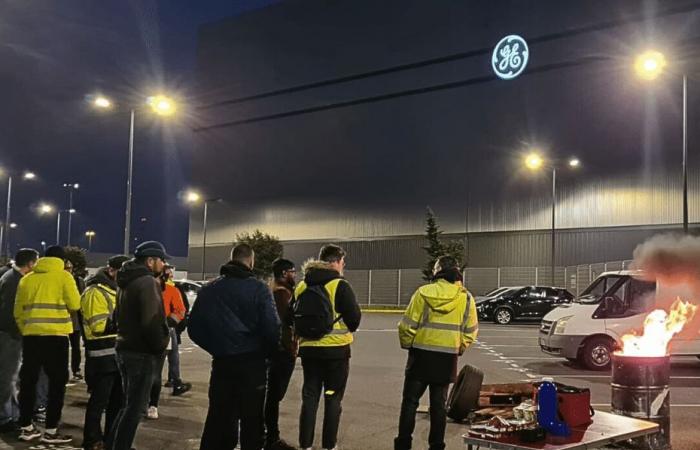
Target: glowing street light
(650,64)
(45,208)
(90,234)
(192,197)
(13,225)
(160,105)
(6,235)
(534,161)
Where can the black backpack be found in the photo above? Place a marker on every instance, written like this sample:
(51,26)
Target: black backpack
(313,315)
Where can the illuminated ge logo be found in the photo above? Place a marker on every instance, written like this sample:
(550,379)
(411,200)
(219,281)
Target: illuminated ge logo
(510,57)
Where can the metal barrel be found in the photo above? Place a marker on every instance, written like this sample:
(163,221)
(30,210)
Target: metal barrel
(640,390)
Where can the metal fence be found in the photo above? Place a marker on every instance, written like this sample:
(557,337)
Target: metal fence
(394,287)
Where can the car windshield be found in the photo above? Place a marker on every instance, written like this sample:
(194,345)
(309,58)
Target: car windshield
(494,292)
(594,293)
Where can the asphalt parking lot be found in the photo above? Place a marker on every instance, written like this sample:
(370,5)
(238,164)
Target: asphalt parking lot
(370,409)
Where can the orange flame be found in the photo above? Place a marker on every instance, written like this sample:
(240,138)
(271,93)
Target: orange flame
(659,328)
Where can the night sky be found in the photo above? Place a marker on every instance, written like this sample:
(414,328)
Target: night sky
(55,53)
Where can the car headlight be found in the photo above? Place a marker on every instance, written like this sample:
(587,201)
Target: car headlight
(560,326)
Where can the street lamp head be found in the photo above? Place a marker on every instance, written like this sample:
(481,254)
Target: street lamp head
(192,197)
(650,64)
(13,225)
(29,175)
(574,163)
(534,161)
(90,233)
(71,211)
(45,209)
(102,102)
(162,105)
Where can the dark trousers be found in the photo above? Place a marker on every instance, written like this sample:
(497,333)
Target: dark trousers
(10,356)
(136,370)
(105,397)
(236,395)
(75,356)
(157,383)
(412,392)
(329,376)
(279,372)
(51,354)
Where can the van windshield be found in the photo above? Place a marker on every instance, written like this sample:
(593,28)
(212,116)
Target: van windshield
(595,291)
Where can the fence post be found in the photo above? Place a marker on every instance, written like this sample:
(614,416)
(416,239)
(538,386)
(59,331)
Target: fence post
(369,287)
(398,295)
(605,267)
(498,272)
(590,273)
(566,279)
(537,275)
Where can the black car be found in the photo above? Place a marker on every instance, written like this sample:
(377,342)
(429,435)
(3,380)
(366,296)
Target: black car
(521,302)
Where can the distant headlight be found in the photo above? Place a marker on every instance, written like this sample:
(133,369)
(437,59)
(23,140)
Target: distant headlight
(560,326)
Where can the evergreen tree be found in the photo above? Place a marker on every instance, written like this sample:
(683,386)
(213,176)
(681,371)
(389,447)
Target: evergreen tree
(267,248)
(436,247)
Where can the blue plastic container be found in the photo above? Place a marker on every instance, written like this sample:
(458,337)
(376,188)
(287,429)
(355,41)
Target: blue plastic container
(548,406)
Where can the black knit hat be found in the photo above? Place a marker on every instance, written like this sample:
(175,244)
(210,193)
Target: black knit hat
(116,261)
(56,251)
(151,248)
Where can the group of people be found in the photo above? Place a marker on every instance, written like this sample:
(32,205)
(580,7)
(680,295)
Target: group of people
(40,300)
(131,318)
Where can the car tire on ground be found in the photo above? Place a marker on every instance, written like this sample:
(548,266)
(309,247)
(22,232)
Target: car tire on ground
(503,316)
(597,353)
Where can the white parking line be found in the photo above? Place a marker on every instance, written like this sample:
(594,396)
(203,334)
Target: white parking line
(687,405)
(608,376)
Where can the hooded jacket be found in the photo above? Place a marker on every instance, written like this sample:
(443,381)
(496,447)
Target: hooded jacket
(438,325)
(97,306)
(234,316)
(139,315)
(321,273)
(8,291)
(283,293)
(45,298)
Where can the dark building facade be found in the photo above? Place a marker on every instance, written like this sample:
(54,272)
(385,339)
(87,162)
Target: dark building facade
(340,121)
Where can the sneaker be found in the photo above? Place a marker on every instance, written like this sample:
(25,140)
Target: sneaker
(181,388)
(28,433)
(56,438)
(77,378)
(168,384)
(152,413)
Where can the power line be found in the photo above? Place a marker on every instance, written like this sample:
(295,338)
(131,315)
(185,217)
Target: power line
(454,57)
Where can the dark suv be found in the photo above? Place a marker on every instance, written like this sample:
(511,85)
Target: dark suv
(523,302)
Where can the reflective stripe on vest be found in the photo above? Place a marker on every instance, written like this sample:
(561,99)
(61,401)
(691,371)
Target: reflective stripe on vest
(339,335)
(103,352)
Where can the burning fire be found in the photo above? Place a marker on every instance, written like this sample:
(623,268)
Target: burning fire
(659,328)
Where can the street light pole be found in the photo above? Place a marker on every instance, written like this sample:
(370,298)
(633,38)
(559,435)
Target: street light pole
(204,239)
(58,228)
(685,154)
(7,216)
(127,225)
(554,215)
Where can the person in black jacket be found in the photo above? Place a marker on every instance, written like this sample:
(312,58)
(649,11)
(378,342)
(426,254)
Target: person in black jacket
(142,336)
(234,320)
(326,361)
(10,338)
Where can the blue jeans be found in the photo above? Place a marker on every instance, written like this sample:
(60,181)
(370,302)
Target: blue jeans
(137,371)
(10,355)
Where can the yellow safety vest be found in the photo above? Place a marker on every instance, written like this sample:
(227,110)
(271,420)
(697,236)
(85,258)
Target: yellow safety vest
(45,298)
(340,335)
(441,317)
(97,304)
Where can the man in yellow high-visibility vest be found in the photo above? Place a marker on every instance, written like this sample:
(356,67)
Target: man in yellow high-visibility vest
(438,325)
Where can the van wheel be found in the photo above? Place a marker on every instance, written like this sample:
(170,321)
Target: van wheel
(503,316)
(597,353)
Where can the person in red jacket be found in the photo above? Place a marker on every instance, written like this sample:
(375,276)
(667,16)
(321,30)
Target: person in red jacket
(174,313)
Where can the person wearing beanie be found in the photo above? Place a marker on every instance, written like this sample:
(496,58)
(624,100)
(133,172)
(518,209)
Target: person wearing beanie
(43,305)
(104,383)
(142,336)
(440,323)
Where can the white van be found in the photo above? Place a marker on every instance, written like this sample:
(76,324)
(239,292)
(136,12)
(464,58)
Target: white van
(590,328)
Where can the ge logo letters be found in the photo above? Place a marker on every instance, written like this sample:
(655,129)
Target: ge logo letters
(510,57)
